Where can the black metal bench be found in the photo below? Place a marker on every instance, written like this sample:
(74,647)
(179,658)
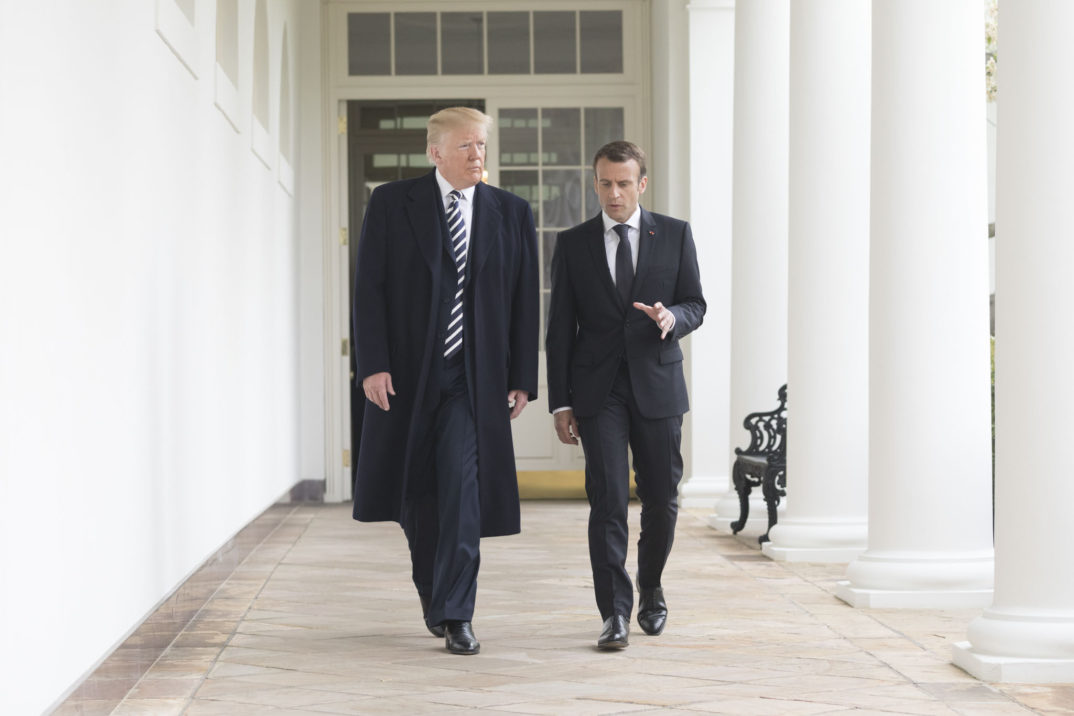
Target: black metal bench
(763,464)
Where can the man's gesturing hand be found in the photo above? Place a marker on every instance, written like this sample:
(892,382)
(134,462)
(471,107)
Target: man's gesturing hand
(665,319)
(377,388)
(566,427)
(517,400)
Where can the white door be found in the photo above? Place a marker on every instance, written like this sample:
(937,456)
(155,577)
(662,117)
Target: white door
(543,153)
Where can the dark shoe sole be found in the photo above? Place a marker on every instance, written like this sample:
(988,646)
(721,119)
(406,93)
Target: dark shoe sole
(465,652)
(613,645)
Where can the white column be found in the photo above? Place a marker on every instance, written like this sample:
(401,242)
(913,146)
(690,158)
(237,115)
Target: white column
(828,318)
(1027,635)
(930,517)
(711,40)
(759,231)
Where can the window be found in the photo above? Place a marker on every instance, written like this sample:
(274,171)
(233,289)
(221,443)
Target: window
(545,155)
(476,42)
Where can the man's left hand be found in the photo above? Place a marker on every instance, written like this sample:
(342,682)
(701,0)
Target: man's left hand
(517,400)
(665,319)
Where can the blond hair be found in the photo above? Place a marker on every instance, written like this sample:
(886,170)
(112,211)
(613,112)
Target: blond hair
(452,118)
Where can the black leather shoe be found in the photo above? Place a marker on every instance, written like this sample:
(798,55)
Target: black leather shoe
(614,635)
(459,638)
(652,611)
(438,629)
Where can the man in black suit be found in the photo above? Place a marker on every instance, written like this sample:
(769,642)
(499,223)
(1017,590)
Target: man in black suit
(446,331)
(625,289)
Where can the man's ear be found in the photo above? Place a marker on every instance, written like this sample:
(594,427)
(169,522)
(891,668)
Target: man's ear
(642,184)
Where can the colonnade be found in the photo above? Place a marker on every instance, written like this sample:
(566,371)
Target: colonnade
(875,257)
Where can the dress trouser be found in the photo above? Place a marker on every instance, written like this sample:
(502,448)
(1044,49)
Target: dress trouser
(443,523)
(658,468)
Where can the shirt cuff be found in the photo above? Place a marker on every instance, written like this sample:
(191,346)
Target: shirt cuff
(560,410)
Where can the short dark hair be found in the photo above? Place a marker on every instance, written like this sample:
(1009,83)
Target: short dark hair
(621,151)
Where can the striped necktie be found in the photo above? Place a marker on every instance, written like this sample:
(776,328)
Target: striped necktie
(459,245)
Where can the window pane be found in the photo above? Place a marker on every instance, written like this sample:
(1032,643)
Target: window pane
(554,43)
(415,116)
(518,137)
(509,43)
(415,43)
(561,205)
(376,118)
(602,125)
(412,172)
(368,46)
(380,168)
(524,184)
(461,43)
(561,136)
(548,247)
(602,41)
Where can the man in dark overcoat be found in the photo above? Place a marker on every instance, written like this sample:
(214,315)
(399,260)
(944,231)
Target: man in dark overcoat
(446,331)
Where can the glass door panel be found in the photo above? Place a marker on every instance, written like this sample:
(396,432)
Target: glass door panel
(543,154)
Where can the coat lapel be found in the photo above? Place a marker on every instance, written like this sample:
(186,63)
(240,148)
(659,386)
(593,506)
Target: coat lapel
(487,220)
(425,223)
(595,240)
(646,247)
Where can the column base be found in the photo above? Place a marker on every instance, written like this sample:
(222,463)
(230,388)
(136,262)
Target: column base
(918,580)
(906,599)
(817,541)
(702,491)
(1018,646)
(1011,669)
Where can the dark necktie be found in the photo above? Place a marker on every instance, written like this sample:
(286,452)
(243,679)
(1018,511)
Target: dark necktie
(457,230)
(624,265)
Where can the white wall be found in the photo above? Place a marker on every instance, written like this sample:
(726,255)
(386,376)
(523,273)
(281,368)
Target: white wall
(148,324)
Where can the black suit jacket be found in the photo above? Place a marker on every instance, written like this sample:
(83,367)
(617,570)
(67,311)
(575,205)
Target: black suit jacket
(397,300)
(590,331)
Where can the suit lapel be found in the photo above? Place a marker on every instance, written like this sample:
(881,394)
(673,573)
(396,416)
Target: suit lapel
(646,247)
(595,240)
(426,224)
(487,220)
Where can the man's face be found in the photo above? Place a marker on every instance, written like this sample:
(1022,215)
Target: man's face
(460,156)
(618,187)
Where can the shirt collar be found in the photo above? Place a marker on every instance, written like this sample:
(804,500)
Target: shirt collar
(446,188)
(634,221)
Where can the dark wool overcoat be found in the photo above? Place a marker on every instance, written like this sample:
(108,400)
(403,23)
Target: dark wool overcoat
(397,297)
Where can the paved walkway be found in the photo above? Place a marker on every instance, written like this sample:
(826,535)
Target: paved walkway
(321,618)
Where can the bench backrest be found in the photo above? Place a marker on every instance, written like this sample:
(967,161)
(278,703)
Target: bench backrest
(768,431)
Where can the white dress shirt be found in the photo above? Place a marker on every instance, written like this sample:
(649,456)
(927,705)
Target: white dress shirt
(611,238)
(466,203)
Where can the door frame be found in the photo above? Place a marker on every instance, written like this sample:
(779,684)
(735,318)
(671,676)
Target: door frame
(631,90)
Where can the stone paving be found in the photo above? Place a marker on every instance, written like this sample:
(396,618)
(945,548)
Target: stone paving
(321,618)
